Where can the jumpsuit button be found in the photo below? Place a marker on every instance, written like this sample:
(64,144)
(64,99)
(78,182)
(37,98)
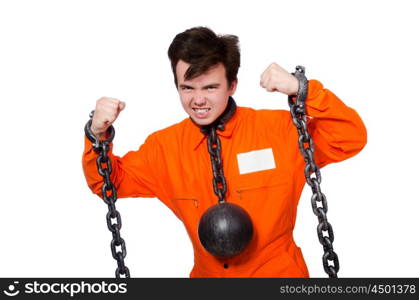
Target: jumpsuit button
(225,266)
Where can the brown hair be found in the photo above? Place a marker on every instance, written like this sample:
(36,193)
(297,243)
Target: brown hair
(202,48)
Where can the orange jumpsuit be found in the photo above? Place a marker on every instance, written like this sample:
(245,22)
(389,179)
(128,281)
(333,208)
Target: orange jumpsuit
(174,165)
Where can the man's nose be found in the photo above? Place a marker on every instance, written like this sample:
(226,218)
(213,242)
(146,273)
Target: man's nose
(199,99)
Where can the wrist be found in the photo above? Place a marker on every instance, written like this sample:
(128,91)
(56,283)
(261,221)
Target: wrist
(294,86)
(98,134)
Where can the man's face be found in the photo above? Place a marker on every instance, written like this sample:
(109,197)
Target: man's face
(204,98)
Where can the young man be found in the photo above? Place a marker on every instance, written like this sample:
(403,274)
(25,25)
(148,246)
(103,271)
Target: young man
(262,165)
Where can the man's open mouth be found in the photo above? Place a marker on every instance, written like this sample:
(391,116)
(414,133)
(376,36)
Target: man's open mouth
(201,110)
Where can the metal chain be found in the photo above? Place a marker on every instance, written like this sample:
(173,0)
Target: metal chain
(109,195)
(214,148)
(218,181)
(306,145)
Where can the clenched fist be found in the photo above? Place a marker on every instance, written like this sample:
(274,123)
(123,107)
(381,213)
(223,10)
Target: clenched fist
(275,78)
(106,111)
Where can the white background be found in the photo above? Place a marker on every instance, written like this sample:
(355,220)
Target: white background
(58,57)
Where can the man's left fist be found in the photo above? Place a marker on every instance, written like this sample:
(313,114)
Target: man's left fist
(277,79)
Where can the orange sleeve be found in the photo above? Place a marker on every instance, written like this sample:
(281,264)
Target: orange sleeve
(337,130)
(133,175)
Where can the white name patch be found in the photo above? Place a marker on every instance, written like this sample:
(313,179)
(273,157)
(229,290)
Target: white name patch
(257,160)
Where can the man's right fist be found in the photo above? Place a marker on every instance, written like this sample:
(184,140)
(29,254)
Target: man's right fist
(106,111)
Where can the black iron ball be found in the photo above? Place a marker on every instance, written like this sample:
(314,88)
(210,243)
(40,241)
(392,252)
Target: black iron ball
(225,229)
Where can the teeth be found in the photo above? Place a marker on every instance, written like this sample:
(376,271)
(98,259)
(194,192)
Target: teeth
(201,110)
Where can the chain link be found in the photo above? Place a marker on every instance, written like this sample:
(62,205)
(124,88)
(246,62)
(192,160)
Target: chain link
(312,174)
(109,196)
(218,181)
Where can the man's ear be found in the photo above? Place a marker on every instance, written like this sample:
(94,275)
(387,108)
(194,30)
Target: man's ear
(233,87)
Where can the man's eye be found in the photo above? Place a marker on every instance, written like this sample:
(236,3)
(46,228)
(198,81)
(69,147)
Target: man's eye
(211,88)
(185,88)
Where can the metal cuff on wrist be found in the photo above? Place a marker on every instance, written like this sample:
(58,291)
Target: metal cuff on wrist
(302,89)
(96,142)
